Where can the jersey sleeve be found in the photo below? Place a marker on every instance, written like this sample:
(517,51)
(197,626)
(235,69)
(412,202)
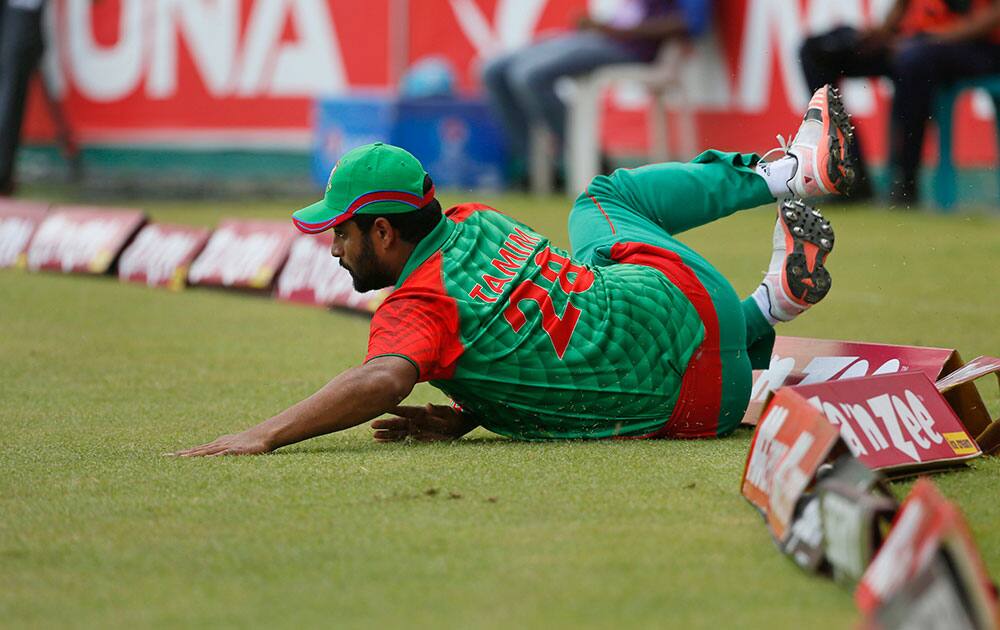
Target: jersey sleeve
(419,323)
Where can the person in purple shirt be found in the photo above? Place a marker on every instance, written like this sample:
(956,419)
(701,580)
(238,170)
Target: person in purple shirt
(521,84)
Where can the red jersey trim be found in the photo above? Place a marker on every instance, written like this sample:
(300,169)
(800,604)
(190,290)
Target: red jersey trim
(463,211)
(696,413)
(419,322)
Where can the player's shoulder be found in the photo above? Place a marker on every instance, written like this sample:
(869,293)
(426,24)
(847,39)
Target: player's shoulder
(465,211)
(486,217)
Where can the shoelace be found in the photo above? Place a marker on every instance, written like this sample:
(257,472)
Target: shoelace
(783,148)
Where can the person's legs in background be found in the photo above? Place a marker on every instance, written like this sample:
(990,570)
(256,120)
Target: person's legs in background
(20,51)
(918,69)
(533,77)
(831,56)
(513,117)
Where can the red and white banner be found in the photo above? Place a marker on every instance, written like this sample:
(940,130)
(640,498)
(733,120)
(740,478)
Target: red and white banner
(18,221)
(790,444)
(974,369)
(82,240)
(243,254)
(243,72)
(926,526)
(313,276)
(800,360)
(892,423)
(161,255)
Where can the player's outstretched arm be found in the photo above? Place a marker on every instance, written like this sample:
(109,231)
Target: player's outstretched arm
(353,397)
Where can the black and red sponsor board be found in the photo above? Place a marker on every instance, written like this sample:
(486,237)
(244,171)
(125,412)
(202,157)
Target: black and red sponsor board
(312,276)
(804,361)
(243,254)
(78,239)
(160,255)
(18,222)
(928,556)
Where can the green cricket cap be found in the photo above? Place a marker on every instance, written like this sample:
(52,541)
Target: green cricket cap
(370,179)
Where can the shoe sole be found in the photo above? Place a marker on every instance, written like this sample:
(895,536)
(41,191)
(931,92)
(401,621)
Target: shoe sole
(840,171)
(809,240)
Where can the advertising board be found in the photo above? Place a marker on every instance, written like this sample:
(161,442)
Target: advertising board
(897,423)
(803,361)
(82,239)
(18,222)
(312,276)
(928,530)
(790,444)
(161,254)
(243,254)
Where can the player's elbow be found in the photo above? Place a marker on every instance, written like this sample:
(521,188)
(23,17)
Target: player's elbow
(390,381)
(398,388)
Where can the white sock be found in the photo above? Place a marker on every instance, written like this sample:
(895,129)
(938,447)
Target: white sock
(763,301)
(777,174)
(762,296)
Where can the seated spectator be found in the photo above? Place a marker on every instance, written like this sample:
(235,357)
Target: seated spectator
(921,45)
(521,84)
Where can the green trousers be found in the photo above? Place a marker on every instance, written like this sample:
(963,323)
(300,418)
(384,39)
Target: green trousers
(653,204)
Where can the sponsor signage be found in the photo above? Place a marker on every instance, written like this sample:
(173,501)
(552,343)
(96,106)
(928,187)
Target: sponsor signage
(788,447)
(245,73)
(803,361)
(856,507)
(963,396)
(243,254)
(928,531)
(804,543)
(893,423)
(18,221)
(974,369)
(933,599)
(312,276)
(82,240)
(161,254)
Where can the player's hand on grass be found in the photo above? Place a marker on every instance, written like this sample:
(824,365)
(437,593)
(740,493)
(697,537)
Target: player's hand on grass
(429,423)
(244,443)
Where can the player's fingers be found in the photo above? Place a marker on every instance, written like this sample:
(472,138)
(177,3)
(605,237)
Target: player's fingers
(391,424)
(194,450)
(408,411)
(204,449)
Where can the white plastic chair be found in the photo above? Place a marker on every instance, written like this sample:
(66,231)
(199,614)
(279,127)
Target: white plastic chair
(582,152)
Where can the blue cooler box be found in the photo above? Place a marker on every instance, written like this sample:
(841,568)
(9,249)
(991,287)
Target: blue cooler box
(342,123)
(457,140)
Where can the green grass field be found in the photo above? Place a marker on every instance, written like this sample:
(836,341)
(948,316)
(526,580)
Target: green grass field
(98,379)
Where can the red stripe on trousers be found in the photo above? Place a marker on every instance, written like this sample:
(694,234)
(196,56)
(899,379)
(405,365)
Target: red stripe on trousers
(596,203)
(696,413)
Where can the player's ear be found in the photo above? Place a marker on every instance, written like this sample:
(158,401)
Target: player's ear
(383,233)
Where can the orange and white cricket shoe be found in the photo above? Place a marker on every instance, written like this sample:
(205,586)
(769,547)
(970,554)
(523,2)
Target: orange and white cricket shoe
(796,277)
(820,147)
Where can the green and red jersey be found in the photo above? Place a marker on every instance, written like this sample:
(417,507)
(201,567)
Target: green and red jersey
(534,344)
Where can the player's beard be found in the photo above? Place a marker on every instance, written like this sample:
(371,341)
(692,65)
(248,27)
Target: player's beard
(368,273)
